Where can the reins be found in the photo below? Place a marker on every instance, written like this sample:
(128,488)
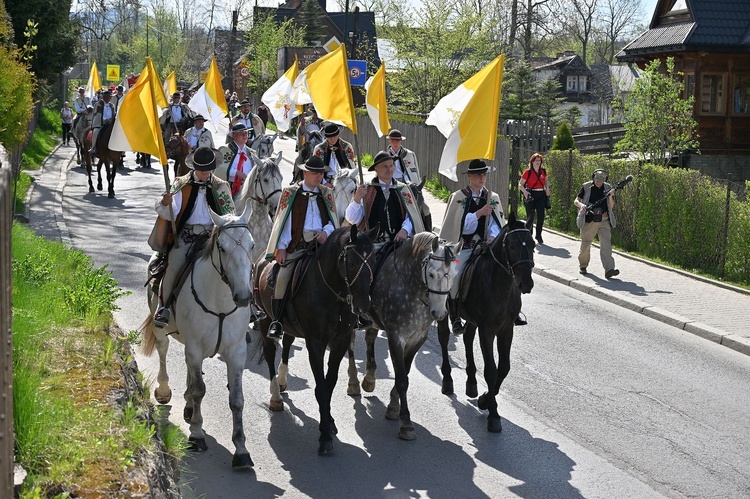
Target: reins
(447,257)
(508,267)
(263,198)
(344,255)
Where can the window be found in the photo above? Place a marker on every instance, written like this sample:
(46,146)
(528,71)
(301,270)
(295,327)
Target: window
(572,83)
(712,94)
(741,94)
(689,86)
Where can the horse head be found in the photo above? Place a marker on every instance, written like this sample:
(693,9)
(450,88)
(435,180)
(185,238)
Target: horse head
(438,261)
(231,252)
(263,185)
(177,146)
(344,185)
(355,263)
(265,146)
(513,249)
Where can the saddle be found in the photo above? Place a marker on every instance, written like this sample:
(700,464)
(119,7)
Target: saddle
(468,273)
(387,249)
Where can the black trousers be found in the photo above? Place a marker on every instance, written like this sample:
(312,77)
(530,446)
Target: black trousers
(535,206)
(66,132)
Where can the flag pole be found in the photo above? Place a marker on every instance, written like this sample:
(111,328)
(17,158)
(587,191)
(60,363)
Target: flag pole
(168,184)
(359,159)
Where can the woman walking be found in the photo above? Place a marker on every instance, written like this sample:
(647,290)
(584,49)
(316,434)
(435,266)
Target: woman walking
(66,115)
(535,190)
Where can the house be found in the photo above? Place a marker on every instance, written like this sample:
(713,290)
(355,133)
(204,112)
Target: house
(710,43)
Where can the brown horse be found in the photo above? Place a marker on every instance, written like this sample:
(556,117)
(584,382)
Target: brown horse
(111,160)
(178,149)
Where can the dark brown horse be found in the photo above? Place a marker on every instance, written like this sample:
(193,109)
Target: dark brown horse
(178,149)
(104,155)
(491,303)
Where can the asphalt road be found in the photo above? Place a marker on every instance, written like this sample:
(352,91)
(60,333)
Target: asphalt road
(600,401)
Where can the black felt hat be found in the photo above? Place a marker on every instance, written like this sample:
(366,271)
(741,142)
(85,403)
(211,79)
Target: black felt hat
(239,127)
(395,134)
(379,158)
(331,130)
(314,164)
(477,166)
(245,103)
(199,117)
(176,94)
(204,159)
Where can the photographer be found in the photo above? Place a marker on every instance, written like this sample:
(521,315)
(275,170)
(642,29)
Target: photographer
(596,201)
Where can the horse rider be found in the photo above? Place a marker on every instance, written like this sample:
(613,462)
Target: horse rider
(335,152)
(474,214)
(198,135)
(252,122)
(306,216)
(407,168)
(307,126)
(80,104)
(104,113)
(118,96)
(190,197)
(176,113)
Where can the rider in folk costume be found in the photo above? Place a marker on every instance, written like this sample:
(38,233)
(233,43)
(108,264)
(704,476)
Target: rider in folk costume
(175,113)
(335,152)
(104,113)
(405,161)
(307,126)
(198,135)
(252,122)
(474,214)
(236,157)
(190,197)
(80,104)
(306,216)
(118,96)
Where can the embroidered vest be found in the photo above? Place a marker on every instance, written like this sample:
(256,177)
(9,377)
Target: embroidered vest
(299,213)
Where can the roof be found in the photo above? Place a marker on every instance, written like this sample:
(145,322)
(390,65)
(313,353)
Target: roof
(567,64)
(706,25)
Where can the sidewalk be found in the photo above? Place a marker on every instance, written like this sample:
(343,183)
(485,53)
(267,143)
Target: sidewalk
(713,310)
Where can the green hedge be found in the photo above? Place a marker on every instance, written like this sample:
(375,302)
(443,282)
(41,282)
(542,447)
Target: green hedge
(670,214)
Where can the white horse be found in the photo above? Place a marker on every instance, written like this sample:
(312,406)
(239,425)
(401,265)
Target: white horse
(264,146)
(212,311)
(83,125)
(262,190)
(344,185)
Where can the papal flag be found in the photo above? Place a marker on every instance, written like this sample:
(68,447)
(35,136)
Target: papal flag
(136,126)
(325,83)
(468,118)
(156,84)
(170,86)
(375,101)
(278,98)
(95,82)
(210,102)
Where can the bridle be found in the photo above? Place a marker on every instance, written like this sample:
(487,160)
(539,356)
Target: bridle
(223,275)
(507,266)
(447,257)
(344,257)
(258,186)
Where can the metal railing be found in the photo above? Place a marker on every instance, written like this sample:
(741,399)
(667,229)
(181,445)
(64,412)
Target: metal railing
(6,344)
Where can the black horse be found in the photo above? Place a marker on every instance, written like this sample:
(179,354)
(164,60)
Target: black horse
(501,272)
(336,286)
(111,160)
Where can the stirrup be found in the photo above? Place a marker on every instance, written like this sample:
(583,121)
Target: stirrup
(275,331)
(162,317)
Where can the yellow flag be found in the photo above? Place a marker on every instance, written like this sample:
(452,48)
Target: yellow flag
(95,83)
(329,88)
(375,101)
(170,86)
(136,126)
(158,89)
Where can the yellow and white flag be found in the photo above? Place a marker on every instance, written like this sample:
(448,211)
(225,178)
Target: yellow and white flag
(278,98)
(156,84)
(170,86)
(136,126)
(375,101)
(325,83)
(95,82)
(210,102)
(468,118)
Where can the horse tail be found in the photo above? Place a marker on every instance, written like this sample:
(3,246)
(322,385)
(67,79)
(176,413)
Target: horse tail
(147,332)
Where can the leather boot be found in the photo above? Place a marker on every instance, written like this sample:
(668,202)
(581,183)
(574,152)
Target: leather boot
(276,331)
(456,323)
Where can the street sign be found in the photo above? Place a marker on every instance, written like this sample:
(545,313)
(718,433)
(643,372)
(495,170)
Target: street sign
(113,72)
(331,44)
(245,72)
(357,73)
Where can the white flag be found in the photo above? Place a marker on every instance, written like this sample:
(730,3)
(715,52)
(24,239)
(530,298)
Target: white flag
(209,101)
(278,98)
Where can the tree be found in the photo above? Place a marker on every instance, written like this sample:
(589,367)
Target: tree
(519,93)
(617,20)
(16,85)
(548,100)
(658,120)
(264,41)
(310,14)
(56,41)
(563,138)
(579,21)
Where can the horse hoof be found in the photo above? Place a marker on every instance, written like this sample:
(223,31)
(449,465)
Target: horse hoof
(407,433)
(368,385)
(325,448)
(282,388)
(242,462)
(334,430)
(447,386)
(471,390)
(163,399)
(91,189)
(352,389)
(392,414)
(197,444)
(111,195)
(482,402)
(494,425)
(276,405)
(99,187)
(187,414)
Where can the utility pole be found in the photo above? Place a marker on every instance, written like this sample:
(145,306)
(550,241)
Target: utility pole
(230,52)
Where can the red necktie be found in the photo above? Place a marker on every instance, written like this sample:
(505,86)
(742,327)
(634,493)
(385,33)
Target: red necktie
(237,184)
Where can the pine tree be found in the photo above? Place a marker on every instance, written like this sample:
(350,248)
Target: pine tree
(308,18)
(563,138)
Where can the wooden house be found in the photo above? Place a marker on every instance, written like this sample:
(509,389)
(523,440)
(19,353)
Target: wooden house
(710,43)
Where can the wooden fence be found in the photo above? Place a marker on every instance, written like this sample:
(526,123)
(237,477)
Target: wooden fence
(427,143)
(598,139)
(6,345)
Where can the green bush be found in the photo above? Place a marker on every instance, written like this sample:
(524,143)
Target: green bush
(563,138)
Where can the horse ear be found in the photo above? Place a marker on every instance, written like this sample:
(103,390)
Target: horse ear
(373,233)
(218,220)
(457,247)
(255,158)
(278,159)
(353,234)
(421,184)
(435,244)
(246,211)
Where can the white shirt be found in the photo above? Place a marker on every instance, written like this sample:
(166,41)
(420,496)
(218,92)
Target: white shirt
(399,170)
(313,220)
(246,166)
(193,135)
(200,214)
(355,212)
(247,119)
(81,103)
(471,222)
(108,111)
(333,166)
(176,111)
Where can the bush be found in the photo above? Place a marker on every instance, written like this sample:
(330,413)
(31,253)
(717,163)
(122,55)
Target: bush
(563,138)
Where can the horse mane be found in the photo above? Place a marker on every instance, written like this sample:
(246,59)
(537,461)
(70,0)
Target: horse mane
(422,243)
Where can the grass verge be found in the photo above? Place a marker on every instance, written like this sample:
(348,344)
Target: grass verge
(79,429)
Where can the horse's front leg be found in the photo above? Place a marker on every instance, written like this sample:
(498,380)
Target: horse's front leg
(352,388)
(488,399)
(445,368)
(504,342)
(286,348)
(368,382)
(99,185)
(276,403)
(316,352)
(163,393)
(471,365)
(194,393)
(398,408)
(111,172)
(235,366)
